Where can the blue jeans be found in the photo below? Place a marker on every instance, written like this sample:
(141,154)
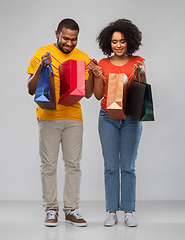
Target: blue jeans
(120,141)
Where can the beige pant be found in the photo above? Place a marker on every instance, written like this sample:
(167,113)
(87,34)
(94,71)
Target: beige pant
(69,134)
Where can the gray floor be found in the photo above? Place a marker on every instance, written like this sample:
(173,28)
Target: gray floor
(157,220)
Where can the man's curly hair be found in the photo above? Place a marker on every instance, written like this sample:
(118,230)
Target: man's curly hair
(130,31)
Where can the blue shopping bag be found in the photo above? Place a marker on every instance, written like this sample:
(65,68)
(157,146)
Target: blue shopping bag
(45,91)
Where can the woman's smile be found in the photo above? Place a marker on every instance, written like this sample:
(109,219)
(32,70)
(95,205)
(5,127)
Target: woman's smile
(118,44)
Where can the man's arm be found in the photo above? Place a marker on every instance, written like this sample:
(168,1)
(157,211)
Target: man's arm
(98,87)
(33,79)
(98,82)
(89,84)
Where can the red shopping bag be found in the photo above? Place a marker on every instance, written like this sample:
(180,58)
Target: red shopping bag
(72,81)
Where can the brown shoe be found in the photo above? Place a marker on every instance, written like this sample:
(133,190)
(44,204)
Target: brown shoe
(51,218)
(74,217)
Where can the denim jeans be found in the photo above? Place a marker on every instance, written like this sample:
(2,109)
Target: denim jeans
(120,141)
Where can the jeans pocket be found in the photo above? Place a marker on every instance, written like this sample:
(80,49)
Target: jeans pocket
(103,113)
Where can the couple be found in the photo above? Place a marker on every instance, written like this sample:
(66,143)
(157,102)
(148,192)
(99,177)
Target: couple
(119,138)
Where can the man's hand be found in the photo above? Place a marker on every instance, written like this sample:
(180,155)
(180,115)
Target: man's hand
(43,60)
(33,79)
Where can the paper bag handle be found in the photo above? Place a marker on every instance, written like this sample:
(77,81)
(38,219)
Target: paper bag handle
(139,74)
(48,58)
(60,62)
(134,74)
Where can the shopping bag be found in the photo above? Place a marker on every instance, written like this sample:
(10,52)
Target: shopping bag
(116,95)
(45,91)
(139,100)
(72,81)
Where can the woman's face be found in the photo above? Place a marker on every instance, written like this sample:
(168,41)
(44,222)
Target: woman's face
(118,44)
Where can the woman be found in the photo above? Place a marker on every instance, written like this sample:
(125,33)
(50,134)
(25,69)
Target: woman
(119,138)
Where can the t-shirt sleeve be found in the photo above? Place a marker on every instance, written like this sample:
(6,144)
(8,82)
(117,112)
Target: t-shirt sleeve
(141,59)
(100,63)
(104,64)
(34,63)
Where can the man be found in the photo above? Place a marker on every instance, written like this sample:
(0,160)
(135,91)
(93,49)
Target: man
(61,126)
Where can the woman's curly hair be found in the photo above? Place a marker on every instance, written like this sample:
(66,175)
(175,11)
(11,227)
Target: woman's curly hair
(130,31)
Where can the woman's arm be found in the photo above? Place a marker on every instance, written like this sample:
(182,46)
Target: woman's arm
(143,69)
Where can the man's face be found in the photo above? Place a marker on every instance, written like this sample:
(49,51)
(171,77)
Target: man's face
(67,39)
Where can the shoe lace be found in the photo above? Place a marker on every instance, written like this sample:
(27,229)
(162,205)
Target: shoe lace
(51,214)
(130,216)
(76,213)
(111,216)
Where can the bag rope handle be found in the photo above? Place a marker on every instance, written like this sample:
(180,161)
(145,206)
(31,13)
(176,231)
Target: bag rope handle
(48,58)
(140,73)
(132,75)
(86,67)
(104,78)
(129,78)
(55,59)
(137,75)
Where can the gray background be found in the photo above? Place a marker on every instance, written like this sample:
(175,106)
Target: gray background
(27,25)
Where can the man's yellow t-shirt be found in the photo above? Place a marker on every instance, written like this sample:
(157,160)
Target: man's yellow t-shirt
(62,111)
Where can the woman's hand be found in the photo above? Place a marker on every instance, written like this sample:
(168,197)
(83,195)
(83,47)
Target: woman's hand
(94,68)
(93,63)
(142,67)
(97,71)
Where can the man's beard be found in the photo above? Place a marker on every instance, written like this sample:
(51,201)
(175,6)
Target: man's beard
(60,48)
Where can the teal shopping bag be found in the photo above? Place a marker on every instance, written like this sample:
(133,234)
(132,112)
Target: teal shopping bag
(139,99)
(147,112)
